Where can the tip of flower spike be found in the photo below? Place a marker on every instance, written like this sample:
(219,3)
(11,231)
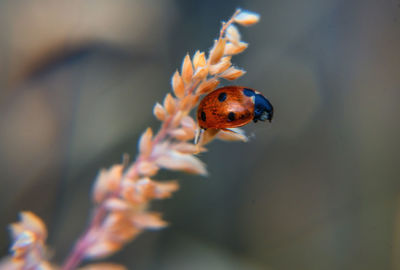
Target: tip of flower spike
(247,18)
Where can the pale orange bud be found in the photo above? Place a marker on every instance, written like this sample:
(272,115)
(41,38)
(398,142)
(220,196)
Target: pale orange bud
(201,73)
(232,73)
(100,188)
(148,221)
(104,266)
(115,204)
(234,134)
(159,112)
(180,134)
(232,49)
(137,193)
(217,51)
(187,69)
(177,118)
(129,193)
(207,86)
(174,160)
(188,122)
(247,18)
(161,148)
(117,228)
(177,85)
(145,143)
(149,189)
(223,65)
(102,248)
(233,34)
(169,103)
(144,187)
(188,148)
(189,102)
(199,59)
(147,168)
(165,189)
(107,182)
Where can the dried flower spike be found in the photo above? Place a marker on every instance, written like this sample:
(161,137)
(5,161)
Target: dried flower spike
(122,194)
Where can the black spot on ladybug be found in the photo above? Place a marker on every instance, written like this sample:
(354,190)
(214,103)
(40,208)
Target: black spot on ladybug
(248,92)
(203,116)
(244,116)
(222,97)
(231,116)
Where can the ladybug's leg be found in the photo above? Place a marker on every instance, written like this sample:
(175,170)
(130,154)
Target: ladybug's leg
(199,135)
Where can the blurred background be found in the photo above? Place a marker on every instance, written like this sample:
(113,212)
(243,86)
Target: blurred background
(317,189)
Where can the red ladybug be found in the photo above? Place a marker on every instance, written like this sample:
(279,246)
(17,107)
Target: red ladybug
(233,106)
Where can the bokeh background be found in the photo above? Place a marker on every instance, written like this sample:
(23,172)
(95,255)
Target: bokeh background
(319,188)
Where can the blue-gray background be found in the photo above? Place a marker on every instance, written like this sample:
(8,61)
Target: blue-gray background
(317,189)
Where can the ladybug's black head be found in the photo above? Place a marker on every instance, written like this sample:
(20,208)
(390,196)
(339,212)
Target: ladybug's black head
(263,109)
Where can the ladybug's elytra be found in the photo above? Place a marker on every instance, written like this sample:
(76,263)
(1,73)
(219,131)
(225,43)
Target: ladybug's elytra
(233,106)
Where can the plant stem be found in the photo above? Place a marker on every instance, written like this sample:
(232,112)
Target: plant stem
(79,249)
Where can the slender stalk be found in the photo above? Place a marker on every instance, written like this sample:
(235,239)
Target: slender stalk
(100,213)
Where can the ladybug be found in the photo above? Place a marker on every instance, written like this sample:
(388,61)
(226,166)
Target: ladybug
(233,106)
